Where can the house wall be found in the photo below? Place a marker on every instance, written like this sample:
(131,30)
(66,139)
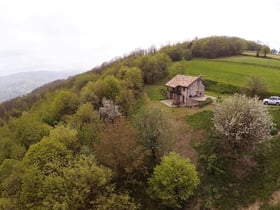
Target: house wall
(196,88)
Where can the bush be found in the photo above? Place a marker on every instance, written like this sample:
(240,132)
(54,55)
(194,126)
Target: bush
(206,102)
(173,181)
(221,88)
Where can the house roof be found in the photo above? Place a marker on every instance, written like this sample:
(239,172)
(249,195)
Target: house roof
(181,80)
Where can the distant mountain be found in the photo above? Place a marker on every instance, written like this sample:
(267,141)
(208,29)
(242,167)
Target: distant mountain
(20,84)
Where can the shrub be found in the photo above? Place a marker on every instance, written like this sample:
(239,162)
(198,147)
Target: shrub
(206,102)
(173,181)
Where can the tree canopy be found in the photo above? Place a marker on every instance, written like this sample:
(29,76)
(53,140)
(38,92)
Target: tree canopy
(173,181)
(155,132)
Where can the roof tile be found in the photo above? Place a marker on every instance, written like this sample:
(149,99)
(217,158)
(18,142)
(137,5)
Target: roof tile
(181,80)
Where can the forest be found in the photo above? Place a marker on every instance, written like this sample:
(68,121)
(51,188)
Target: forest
(94,142)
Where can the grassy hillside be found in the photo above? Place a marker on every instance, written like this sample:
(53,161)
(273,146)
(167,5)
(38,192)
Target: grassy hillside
(253,53)
(267,62)
(237,70)
(229,74)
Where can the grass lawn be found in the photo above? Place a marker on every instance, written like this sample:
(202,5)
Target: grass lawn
(275,112)
(154,92)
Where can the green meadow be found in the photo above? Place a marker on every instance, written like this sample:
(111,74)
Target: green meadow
(229,73)
(266,62)
(236,71)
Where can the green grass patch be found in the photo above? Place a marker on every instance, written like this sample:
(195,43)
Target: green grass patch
(201,120)
(155,92)
(275,113)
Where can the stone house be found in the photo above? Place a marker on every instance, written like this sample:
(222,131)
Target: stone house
(185,90)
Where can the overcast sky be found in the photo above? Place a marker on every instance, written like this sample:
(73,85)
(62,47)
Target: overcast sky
(80,34)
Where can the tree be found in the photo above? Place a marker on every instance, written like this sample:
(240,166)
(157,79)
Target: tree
(173,181)
(17,151)
(155,132)
(274,51)
(154,67)
(86,122)
(64,102)
(112,87)
(218,46)
(89,187)
(28,130)
(265,49)
(178,51)
(126,101)
(178,68)
(54,179)
(10,184)
(88,95)
(120,151)
(81,80)
(132,85)
(5,148)
(66,136)
(85,182)
(256,86)
(45,153)
(43,185)
(242,122)
(132,78)
(109,112)
(175,53)
(43,191)
(117,202)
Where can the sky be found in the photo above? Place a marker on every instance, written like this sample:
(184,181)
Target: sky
(58,35)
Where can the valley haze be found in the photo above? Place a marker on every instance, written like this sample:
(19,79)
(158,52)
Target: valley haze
(22,83)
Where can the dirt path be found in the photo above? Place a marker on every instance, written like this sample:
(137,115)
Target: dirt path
(184,138)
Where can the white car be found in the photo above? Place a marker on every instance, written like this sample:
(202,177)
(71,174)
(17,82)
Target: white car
(273,100)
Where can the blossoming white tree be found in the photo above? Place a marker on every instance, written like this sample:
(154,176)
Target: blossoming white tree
(242,122)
